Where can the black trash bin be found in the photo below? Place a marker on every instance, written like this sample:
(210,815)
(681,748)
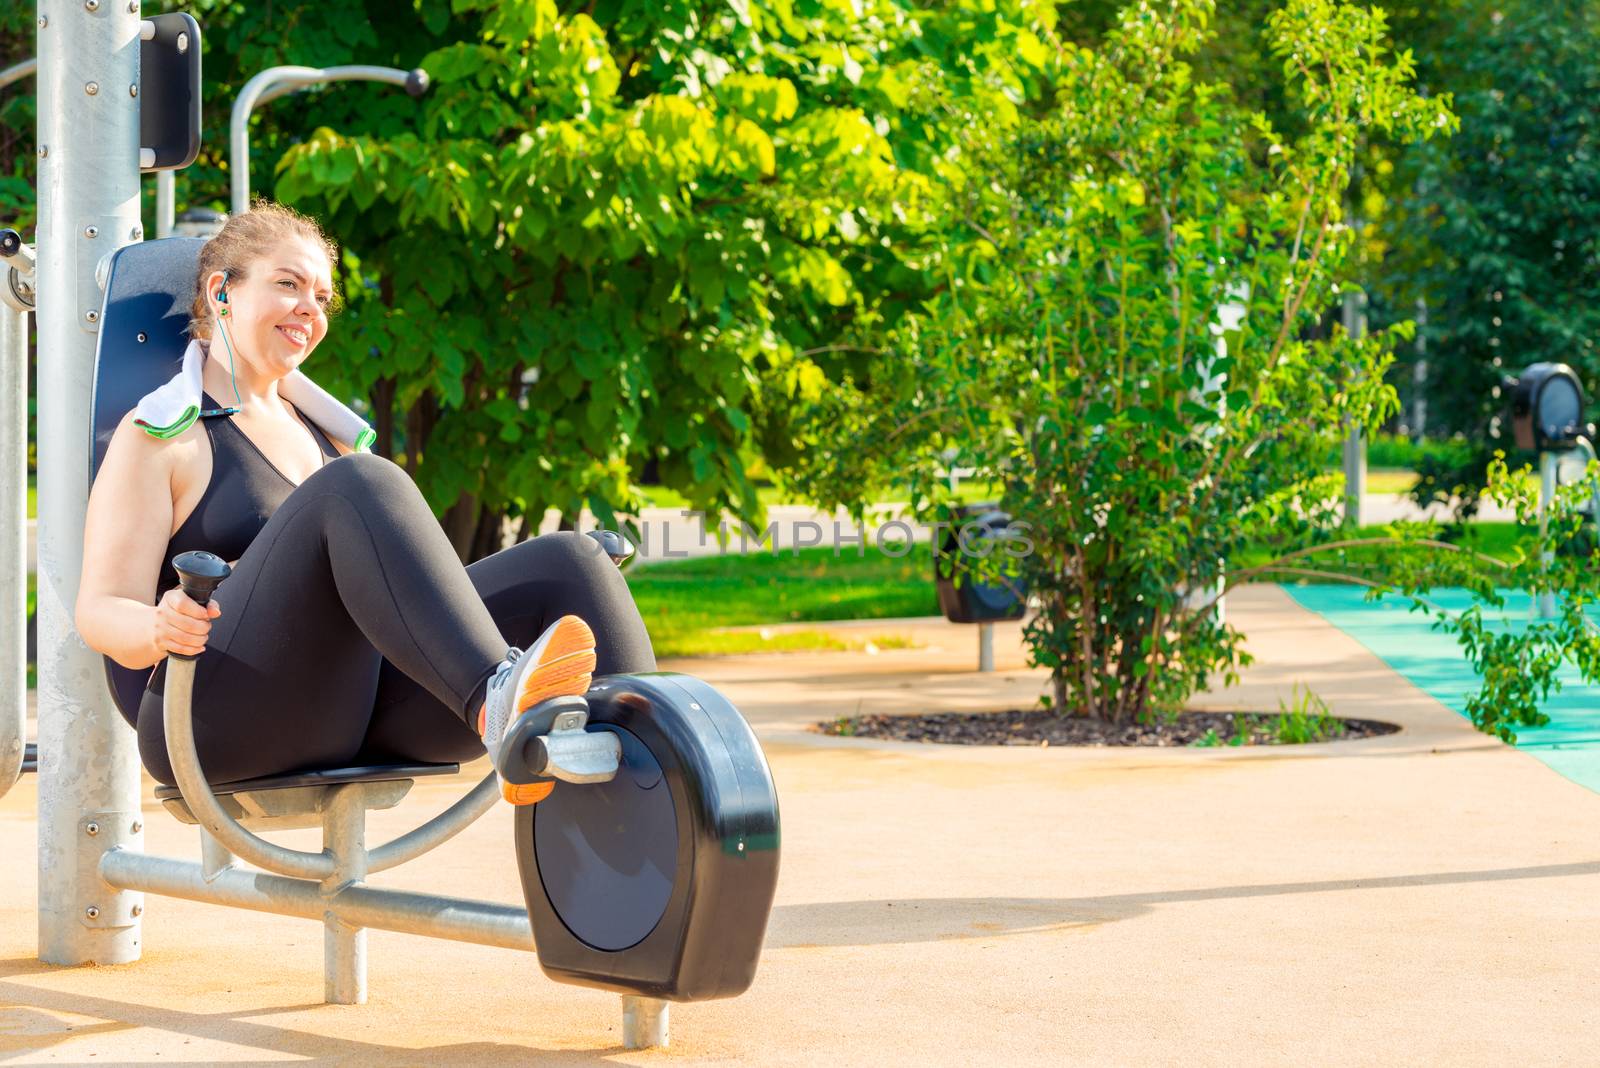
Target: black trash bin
(975,530)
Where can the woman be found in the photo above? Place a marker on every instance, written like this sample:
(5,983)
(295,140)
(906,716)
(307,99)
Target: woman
(348,631)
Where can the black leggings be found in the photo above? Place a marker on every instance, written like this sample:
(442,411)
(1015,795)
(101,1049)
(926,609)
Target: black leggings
(350,633)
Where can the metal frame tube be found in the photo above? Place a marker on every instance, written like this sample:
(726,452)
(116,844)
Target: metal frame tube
(203,803)
(13,537)
(166,202)
(443,827)
(88,182)
(271,84)
(18,71)
(479,922)
(236,839)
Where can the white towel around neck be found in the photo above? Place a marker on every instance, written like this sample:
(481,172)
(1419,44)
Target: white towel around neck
(172,409)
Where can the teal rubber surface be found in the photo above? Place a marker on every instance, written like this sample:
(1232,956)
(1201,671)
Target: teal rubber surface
(1436,664)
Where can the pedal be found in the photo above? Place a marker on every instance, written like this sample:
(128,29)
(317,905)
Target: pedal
(549,742)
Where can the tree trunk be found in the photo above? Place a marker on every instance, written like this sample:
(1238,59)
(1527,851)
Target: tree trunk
(460,524)
(489,538)
(383,391)
(1058,687)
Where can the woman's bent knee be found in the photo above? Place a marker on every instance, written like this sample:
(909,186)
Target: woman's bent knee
(362,477)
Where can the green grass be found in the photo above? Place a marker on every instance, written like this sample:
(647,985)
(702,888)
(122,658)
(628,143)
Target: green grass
(689,604)
(33,499)
(1390,480)
(1494,539)
(694,607)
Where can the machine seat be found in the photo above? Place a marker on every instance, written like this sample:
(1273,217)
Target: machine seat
(285,802)
(329,777)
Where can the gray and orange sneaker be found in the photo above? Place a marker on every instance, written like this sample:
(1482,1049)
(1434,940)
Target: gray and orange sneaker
(561,662)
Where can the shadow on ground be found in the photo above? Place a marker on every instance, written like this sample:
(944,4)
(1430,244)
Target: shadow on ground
(34,1019)
(867,923)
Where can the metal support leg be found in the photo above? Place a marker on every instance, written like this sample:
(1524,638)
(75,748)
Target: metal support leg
(344,947)
(985,646)
(1549,481)
(214,857)
(166,202)
(644,1023)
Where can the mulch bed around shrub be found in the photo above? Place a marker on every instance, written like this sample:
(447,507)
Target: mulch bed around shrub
(1038,727)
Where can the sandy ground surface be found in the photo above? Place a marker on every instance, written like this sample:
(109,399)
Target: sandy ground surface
(1425,897)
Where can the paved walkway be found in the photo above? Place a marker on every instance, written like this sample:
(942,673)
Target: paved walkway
(1425,897)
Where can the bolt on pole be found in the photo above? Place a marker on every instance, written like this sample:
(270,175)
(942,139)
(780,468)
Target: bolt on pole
(88,181)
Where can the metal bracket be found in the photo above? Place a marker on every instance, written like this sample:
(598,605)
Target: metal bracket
(20,263)
(103,905)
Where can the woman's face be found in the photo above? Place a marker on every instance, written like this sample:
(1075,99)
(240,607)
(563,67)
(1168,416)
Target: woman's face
(279,312)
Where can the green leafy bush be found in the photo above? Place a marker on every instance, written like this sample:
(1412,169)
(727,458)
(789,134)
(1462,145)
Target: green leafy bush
(1124,339)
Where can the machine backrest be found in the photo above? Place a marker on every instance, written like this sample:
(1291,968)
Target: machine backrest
(143,331)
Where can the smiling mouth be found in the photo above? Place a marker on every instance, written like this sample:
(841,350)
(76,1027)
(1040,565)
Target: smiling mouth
(296,337)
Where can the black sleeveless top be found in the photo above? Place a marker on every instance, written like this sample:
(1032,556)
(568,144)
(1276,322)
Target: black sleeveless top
(245,489)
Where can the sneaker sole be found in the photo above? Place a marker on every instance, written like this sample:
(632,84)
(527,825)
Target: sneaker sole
(527,793)
(564,662)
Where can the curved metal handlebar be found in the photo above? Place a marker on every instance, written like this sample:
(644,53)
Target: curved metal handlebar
(280,81)
(178,713)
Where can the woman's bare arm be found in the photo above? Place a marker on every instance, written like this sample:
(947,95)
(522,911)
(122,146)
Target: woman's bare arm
(125,534)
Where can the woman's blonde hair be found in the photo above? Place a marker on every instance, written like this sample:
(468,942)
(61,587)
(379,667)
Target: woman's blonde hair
(244,238)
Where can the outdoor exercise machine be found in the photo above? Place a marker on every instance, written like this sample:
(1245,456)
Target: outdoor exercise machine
(965,596)
(651,874)
(1545,404)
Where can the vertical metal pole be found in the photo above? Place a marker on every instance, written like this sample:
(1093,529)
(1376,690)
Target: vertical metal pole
(985,646)
(344,947)
(1419,375)
(1546,608)
(13,535)
(166,202)
(644,1023)
(88,181)
(1355,443)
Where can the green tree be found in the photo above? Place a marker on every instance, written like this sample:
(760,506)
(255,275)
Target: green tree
(639,233)
(1498,228)
(614,235)
(17,202)
(1124,339)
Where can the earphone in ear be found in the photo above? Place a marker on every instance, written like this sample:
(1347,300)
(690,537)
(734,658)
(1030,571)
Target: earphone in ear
(222,312)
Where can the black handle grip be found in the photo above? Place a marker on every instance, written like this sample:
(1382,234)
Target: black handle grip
(417,82)
(200,573)
(615,545)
